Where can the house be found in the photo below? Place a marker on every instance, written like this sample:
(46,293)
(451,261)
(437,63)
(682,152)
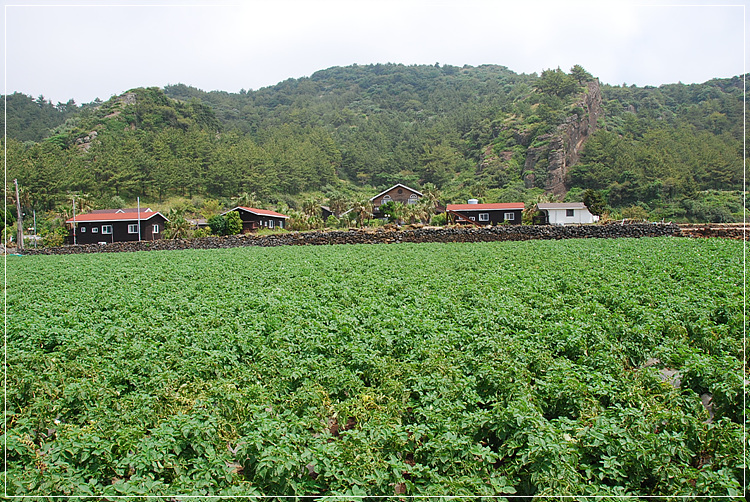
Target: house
(253,219)
(116,225)
(325,212)
(485,214)
(563,213)
(198,223)
(397,193)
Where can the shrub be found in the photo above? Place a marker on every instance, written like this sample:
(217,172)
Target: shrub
(218,225)
(332,221)
(55,237)
(438,220)
(233,223)
(635,213)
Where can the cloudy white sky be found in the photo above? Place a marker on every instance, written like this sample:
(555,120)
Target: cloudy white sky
(84,49)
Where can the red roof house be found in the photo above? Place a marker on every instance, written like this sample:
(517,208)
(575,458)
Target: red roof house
(253,219)
(116,225)
(485,214)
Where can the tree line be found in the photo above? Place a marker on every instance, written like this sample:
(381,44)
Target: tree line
(674,151)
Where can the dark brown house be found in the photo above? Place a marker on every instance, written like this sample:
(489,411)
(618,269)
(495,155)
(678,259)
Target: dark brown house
(485,214)
(397,193)
(116,225)
(253,219)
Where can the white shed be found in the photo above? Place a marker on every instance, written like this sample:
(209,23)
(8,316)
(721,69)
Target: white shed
(566,213)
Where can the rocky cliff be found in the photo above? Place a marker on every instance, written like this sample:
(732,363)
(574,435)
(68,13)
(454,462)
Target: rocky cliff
(562,149)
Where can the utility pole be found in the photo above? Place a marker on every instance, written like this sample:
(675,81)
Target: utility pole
(74,220)
(20,218)
(139,219)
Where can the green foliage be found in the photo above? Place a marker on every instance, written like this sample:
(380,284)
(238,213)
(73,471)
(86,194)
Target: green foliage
(7,218)
(392,211)
(557,83)
(116,202)
(372,126)
(32,120)
(192,373)
(177,227)
(233,223)
(438,220)
(594,201)
(55,237)
(218,225)
(211,208)
(580,74)
(201,232)
(635,213)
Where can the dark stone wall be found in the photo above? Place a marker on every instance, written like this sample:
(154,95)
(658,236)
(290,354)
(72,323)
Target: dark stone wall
(737,231)
(383,236)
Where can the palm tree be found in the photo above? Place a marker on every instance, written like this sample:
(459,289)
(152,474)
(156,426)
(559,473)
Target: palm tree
(337,203)
(297,221)
(247,200)
(310,207)
(177,227)
(83,204)
(430,198)
(363,211)
(210,208)
(419,212)
(399,212)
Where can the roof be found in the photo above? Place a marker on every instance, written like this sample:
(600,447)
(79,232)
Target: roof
(259,212)
(396,186)
(122,210)
(101,215)
(485,207)
(561,205)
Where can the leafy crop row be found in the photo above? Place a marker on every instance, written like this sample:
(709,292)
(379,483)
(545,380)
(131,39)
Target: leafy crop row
(527,368)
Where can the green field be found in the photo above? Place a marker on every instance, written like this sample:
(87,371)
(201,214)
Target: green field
(526,368)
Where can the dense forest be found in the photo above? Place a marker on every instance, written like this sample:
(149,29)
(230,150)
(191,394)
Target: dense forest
(672,152)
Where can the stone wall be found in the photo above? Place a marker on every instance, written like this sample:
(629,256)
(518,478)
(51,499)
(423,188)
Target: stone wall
(737,231)
(382,236)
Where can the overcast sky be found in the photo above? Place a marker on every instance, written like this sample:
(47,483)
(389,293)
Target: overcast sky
(84,50)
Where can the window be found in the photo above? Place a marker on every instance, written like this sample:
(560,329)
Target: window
(413,198)
(386,199)
(509,216)
(569,212)
(133,229)
(156,229)
(484,216)
(472,218)
(94,230)
(83,230)
(106,229)
(270,223)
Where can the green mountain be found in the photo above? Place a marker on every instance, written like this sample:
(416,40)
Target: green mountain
(674,151)
(30,119)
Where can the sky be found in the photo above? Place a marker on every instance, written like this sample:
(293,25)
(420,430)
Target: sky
(84,49)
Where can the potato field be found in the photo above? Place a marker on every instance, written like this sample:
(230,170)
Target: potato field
(574,367)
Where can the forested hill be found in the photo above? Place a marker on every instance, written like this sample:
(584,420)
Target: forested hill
(486,132)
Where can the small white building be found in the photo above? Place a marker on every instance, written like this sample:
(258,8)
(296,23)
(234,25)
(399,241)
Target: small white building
(565,213)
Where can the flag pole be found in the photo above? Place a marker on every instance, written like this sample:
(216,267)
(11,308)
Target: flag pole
(74,220)
(139,219)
